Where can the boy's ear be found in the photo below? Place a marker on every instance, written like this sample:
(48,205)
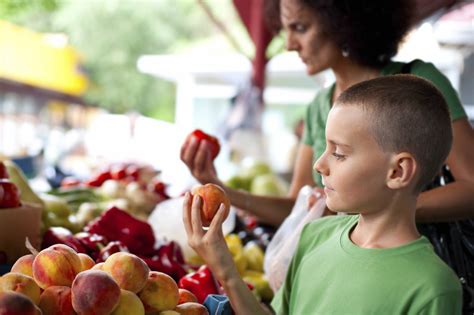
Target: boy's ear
(403,170)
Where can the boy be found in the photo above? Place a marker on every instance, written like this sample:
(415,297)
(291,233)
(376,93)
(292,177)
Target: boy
(386,138)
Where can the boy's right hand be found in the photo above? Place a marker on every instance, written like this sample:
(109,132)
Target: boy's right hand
(197,157)
(209,244)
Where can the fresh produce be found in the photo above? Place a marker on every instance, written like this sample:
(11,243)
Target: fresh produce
(268,185)
(129,304)
(60,235)
(254,255)
(86,261)
(212,197)
(212,141)
(160,292)
(260,283)
(56,265)
(24,265)
(9,194)
(257,177)
(20,283)
(106,294)
(56,300)
(191,308)
(118,225)
(110,249)
(3,171)
(129,271)
(168,258)
(13,303)
(201,283)
(186,296)
(102,289)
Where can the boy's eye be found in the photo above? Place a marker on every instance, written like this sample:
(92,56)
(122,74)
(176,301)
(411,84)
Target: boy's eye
(338,156)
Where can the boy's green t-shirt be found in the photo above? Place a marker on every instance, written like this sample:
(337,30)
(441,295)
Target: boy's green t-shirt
(331,275)
(318,110)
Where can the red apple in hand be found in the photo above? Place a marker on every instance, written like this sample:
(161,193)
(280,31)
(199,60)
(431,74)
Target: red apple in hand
(9,194)
(212,141)
(212,197)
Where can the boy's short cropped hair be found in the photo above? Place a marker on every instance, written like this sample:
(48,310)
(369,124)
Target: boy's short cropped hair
(407,114)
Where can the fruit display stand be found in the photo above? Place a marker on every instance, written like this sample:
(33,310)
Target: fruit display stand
(17,224)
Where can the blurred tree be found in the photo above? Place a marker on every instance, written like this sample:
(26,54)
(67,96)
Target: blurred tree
(111,35)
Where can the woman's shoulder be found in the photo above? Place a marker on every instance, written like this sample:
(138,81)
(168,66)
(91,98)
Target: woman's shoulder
(416,66)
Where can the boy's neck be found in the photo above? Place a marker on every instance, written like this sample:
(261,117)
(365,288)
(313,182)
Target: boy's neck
(392,227)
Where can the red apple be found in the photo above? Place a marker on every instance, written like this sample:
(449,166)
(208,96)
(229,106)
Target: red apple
(9,194)
(213,142)
(3,170)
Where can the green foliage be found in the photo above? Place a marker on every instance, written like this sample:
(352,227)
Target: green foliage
(111,35)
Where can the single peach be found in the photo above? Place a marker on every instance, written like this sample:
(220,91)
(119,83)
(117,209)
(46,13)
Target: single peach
(56,265)
(129,304)
(94,292)
(24,265)
(191,308)
(212,197)
(98,266)
(186,296)
(12,303)
(56,300)
(160,292)
(86,261)
(20,283)
(128,270)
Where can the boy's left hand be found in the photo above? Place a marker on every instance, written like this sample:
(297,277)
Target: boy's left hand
(209,244)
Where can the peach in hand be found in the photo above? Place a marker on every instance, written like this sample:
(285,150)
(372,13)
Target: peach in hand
(129,304)
(13,303)
(56,265)
(20,283)
(212,197)
(24,265)
(128,270)
(94,292)
(160,292)
(56,300)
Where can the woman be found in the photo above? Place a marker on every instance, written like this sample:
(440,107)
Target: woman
(356,40)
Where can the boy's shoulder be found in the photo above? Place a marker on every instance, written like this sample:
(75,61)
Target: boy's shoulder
(322,229)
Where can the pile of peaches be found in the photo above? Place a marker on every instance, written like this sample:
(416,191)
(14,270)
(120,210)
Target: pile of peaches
(57,280)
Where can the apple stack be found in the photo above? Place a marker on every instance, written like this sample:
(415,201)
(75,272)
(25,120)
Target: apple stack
(59,281)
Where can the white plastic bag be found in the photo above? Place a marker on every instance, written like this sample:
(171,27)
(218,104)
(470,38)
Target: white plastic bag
(309,205)
(167,223)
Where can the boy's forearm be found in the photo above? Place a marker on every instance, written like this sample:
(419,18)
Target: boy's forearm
(242,299)
(447,203)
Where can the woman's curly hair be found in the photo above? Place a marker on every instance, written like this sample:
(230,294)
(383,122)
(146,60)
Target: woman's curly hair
(369,30)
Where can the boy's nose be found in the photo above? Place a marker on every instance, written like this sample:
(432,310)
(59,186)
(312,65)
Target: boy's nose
(320,166)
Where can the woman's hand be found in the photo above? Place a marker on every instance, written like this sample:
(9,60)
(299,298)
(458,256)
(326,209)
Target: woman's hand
(197,157)
(209,244)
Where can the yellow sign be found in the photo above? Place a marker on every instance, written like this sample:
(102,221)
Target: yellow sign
(38,59)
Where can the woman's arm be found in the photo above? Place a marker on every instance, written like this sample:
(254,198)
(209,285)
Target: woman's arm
(455,200)
(268,209)
(212,247)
